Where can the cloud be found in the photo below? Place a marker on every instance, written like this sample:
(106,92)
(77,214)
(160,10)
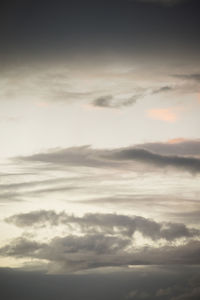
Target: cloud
(17,191)
(165,114)
(85,156)
(178,146)
(195,76)
(162,90)
(109,101)
(189,294)
(119,284)
(73,253)
(112,224)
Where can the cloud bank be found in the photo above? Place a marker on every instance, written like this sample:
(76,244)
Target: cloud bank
(129,157)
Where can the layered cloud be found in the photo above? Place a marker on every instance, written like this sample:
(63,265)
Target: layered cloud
(102,240)
(178,146)
(129,157)
(71,253)
(151,282)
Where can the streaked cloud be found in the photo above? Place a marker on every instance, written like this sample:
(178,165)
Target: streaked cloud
(85,156)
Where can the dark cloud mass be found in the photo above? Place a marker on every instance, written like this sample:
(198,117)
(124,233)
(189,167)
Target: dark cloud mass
(154,282)
(103,240)
(74,253)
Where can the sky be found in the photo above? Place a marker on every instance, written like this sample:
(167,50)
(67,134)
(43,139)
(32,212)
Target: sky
(100,149)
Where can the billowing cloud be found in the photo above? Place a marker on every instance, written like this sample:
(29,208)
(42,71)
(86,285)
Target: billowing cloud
(107,224)
(71,253)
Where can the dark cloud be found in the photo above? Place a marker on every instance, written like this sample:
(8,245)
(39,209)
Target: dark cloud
(112,224)
(111,102)
(73,253)
(195,77)
(118,284)
(147,157)
(117,158)
(21,247)
(103,240)
(179,146)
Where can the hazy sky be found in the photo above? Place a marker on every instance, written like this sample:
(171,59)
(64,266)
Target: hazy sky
(100,149)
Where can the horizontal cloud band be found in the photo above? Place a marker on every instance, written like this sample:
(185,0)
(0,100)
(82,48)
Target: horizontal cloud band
(128,157)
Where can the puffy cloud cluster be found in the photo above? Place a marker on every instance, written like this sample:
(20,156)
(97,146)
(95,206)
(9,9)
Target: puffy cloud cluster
(103,240)
(110,224)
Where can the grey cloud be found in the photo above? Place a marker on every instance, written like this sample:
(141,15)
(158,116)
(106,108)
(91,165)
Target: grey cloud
(193,217)
(107,224)
(189,294)
(73,253)
(17,191)
(111,102)
(162,90)
(174,147)
(9,196)
(188,163)
(30,184)
(103,101)
(117,158)
(21,247)
(195,76)
(119,284)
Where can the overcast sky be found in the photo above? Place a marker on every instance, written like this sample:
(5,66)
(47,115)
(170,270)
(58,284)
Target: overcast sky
(100,149)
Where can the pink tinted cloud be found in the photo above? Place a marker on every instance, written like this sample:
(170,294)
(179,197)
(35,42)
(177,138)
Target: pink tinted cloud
(163,114)
(177,140)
